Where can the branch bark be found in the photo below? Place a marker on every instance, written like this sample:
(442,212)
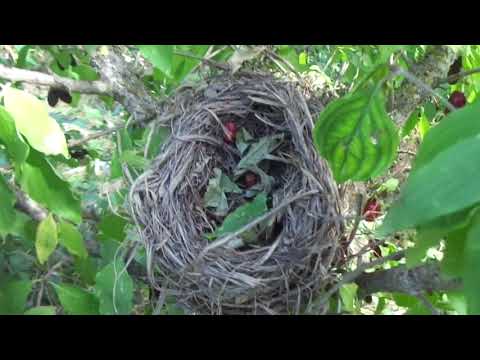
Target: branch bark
(38,78)
(416,281)
(127,87)
(431,71)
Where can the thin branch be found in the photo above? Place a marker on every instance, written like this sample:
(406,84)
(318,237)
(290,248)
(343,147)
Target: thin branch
(203,59)
(351,276)
(458,76)
(39,78)
(28,206)
(106,132)
(414,80)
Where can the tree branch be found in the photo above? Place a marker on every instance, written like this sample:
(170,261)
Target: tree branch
(39,78)
(28,206)
(432,69)
(416,281)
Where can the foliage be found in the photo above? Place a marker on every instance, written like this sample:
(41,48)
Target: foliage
(73,262)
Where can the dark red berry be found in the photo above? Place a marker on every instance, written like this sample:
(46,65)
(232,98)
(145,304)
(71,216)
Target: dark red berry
(250,179)
(372,210)
(231,132)
(458,99)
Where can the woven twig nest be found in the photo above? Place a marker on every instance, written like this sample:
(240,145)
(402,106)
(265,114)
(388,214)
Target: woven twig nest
(283,272)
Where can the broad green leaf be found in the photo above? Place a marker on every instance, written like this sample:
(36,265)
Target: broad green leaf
(13,296)
(108,251)
(425,240)
(356,136)
(411,123)
(41,310)
(457,302)
(7,210)
(242,216)
(157,138)
(91,49)
(258,152)
(76,301)
(72,239)
(243,140)
(217,187)
(433,190)
(16,147)
(86,72)
(453,261)
(32,121)
(22,56)
(471,276)
(458,126)
(390,185)
(46,239)
(39,180)
(348,294)
(429,110)
(161,56)
(112,227)
(132,159)
(423,126)
(114,288)
(87,269)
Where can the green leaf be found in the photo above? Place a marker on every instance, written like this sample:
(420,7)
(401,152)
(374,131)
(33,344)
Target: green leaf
(429,110)
(112,227)
(458,126)
(258,152)
(39,180)
(453,261)
(411,123)
(7,210)
(161,56)
(356,136)
(76,301)
(22,56)
(423,126)
(13,296)
(472,267)
(243,140)
(217,187)
(16,147)
(85,72)
(132,159)
(32,121)
(243,215)
(72,239)
(41,310)
(87,269)
(114,288)
(426,239)
(457,302)
(390,185)
(46,238)
(158,136)
(432,191)
(348,294)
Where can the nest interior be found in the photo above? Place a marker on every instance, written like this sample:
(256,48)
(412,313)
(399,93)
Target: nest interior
(287,270)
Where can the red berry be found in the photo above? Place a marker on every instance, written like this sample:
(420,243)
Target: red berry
(250,179)
(458,99)
(231,132)
(372,210)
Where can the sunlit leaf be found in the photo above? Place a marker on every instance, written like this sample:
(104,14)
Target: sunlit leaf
(32,121)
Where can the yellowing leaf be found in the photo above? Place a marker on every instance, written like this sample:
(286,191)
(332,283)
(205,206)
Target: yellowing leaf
(32,121)
(46,239)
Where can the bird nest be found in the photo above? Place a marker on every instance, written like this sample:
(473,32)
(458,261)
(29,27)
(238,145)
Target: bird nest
(292,248)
